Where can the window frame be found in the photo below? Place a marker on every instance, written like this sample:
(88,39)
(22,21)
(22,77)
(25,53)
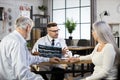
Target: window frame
(92,13)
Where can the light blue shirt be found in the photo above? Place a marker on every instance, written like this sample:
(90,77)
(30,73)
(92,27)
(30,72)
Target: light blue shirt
(15,59)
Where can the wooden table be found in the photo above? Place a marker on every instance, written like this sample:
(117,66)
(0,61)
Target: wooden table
(77,49)
(74,48)
(66,62)
(81,50)
(62,62)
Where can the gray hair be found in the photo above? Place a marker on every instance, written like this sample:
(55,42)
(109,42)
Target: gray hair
(104,33)
(22,22)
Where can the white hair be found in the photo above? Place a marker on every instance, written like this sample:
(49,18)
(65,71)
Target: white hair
(104,33)
(22,22)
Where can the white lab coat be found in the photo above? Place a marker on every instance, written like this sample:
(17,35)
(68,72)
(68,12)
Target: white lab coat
(59,42)
(46,40)
(15,59)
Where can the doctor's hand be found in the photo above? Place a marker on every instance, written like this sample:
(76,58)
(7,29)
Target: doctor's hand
(65,50)
(55,60)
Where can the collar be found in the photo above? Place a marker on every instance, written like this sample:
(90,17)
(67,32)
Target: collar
(50,38)
(20,36)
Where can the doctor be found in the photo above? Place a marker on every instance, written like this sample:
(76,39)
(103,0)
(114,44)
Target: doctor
(15,59)
(51,39)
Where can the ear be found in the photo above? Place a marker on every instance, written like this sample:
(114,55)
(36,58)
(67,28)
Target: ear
(28,28)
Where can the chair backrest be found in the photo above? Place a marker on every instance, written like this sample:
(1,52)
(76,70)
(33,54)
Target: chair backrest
(69,42)
(83,42)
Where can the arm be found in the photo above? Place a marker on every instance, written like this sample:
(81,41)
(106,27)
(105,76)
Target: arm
(20,63)
(35,47)
(107,64)
(65,50)
(74,59)
(86,57)
(89,57)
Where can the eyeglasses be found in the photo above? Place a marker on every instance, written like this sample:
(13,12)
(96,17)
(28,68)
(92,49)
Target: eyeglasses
(54,30)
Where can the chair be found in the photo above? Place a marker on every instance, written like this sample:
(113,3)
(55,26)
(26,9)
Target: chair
(83,42)
(84,67)
(69,42)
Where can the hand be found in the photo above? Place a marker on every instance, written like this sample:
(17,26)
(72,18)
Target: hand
(73,59)
(55,60)
(36,53)
(65,50)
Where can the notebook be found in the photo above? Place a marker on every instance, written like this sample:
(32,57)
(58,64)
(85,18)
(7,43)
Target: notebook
(49,51)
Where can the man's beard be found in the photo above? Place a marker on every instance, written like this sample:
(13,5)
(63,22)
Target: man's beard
(28,36)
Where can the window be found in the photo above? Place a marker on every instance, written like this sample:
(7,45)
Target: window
(79,11)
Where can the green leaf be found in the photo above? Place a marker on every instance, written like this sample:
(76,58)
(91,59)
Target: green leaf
(43,8)
(70,25)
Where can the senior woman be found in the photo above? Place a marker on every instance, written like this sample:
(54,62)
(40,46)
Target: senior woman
(105,54)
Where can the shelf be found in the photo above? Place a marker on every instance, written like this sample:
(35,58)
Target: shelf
(42,16)
(116,32)
(39,29)
(114,23)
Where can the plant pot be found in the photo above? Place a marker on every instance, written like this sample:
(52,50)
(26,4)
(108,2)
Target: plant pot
(70,37)
(41,12)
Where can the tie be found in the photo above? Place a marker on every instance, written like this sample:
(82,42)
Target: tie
(53,42)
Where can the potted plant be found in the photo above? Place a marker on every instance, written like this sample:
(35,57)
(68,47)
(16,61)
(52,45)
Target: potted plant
(29,45)
(42,9)
(70,25)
